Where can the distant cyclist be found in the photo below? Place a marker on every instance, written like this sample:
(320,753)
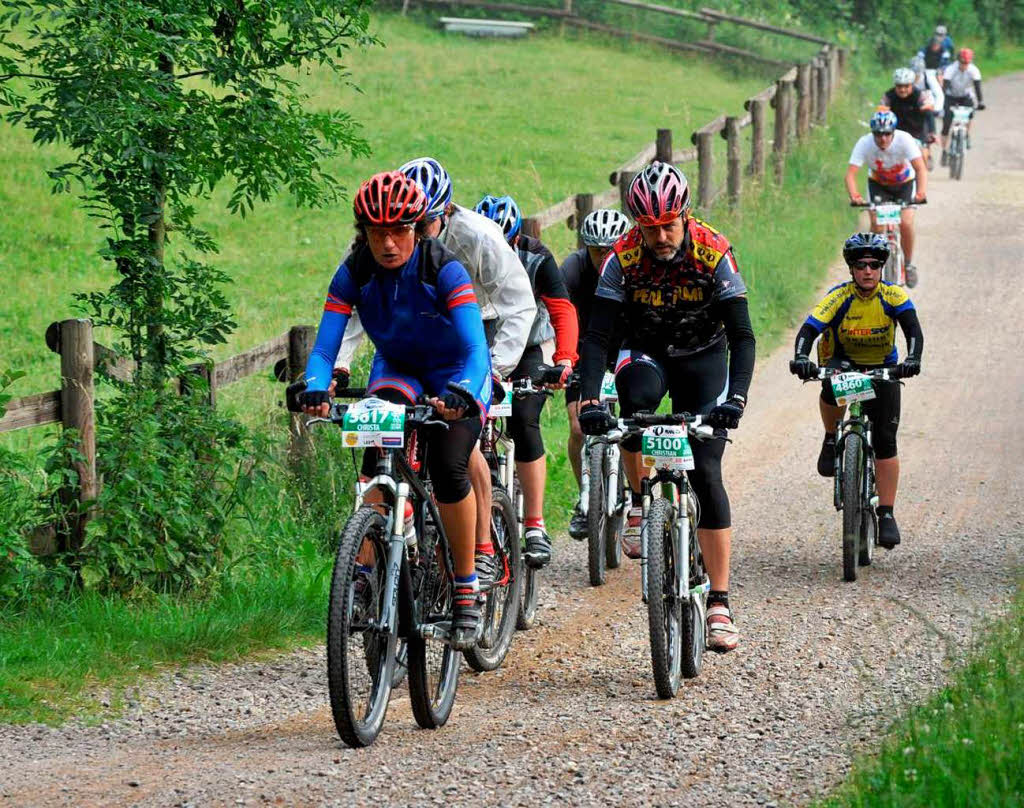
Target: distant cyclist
(418,307)
(938,51)
(503,291)
(962,85)
(895,162)
(556,318)
(581,269)
(913,108)
(857,323)
(674,281)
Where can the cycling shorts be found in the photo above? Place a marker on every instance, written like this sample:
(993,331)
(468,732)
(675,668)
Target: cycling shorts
(433,382)
(696,384)
(524,424)
(947,110)
(883,410)
(891,193)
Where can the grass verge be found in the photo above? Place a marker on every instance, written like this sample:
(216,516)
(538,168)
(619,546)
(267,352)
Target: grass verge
(964,746)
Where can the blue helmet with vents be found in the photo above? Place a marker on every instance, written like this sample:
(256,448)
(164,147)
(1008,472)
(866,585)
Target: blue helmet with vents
(504,211)
(883,122)
(435,182)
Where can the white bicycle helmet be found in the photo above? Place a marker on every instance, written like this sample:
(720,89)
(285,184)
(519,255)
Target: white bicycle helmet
(902,75)
(603,227)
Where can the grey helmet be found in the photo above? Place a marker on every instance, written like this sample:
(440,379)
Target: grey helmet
(902,75)
(603,227)
(941,30)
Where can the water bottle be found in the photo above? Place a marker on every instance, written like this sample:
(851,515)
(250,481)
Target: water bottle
(409,528)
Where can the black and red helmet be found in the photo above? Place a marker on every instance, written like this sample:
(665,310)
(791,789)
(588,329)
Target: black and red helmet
(389,198)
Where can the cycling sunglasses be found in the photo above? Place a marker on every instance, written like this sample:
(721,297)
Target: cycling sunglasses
(867,263)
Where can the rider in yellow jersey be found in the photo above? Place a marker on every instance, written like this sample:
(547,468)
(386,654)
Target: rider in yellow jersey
(857,323)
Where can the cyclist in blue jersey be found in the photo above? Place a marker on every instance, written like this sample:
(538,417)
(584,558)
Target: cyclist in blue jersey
(416,303)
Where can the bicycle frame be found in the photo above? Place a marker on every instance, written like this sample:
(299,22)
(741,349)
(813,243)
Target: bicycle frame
(857,423)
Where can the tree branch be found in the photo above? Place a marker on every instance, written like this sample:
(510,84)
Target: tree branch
(9,76)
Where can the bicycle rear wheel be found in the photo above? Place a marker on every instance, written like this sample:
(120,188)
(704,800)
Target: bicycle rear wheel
(360,655)
(433,663)
(596,516)
(664,610)
(853,460)
(613,523)
(503,600)
(891,271)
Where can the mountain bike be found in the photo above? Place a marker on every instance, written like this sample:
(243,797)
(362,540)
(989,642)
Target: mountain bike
(958,140)
(854,492)
(504,597)
(387,585)
(604,495)
(674,583)
(888,216)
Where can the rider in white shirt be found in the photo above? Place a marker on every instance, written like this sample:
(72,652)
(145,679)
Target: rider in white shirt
(962,84)
(896,173)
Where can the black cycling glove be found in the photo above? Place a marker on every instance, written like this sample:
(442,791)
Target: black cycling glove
(727,414)
(595,419)
(802,367)
(459,398)
(342,377)
(907,368)
(313,398)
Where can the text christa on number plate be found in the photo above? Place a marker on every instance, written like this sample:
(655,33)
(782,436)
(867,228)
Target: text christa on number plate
(666,447)
(373,422)
(608,391)
(887,214)
(503,408)
(850,387)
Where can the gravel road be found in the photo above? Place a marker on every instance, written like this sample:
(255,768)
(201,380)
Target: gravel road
(572,716)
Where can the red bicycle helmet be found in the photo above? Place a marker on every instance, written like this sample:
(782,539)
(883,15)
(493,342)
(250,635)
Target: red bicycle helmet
(389,198)
(966,55)
(658,194)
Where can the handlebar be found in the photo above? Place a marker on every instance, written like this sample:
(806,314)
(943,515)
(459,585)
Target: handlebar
(638,422)
(876,203)
(415,415)
(881,374)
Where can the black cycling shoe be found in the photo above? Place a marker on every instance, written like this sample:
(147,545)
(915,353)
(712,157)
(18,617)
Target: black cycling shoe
(538,548)
(467,626)
(827,457)
(888,532)
(486,569)
(578,524)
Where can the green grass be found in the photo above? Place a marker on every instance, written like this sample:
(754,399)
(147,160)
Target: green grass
(1008,57)
(56,655)
(964,746)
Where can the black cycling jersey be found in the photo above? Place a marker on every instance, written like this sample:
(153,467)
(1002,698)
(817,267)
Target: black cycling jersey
(909,115)
(581,279)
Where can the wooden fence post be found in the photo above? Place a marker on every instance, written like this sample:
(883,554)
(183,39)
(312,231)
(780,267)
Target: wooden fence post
(705,157)
(731,133)
(204,371)
(782,110)
(584,204)
(805,100)
(822,77)
(77,397)
(663,146)
(833,72)
(625,180)
(841,55)
(757,106)
(531,227)
(300,345)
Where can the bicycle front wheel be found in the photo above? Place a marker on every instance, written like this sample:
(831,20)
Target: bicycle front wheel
(596,517)
(360,652)
(664,610)
(613,524)
(694,627)
(853,463)
(433,663)
(891,271)
(503,600)
(531,581)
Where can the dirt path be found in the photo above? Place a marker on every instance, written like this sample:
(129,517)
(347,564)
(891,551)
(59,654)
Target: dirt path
(572,717)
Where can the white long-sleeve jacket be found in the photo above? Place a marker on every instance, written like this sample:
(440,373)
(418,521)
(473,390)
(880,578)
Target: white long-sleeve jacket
(500,282)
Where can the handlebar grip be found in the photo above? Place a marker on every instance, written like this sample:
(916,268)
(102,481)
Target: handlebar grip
(291,395)
(547,374)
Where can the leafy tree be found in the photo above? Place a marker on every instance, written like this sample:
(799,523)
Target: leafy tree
(160,100)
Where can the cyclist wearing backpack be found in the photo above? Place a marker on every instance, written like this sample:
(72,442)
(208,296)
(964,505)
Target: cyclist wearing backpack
(857,323)
(418,306)
(675,282)
(556,318)
(502,289)
(581,269)
(896,173)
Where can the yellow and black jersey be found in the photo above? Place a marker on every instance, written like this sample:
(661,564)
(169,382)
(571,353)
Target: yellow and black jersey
(861,329)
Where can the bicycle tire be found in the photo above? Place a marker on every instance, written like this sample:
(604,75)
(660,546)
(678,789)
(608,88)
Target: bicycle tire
(869,521)
(531,586)
(852,513)
(507,596)
(664,611)
(891,270)
(357,726)
(597,519)
(694,628)
(613,524)
(433,664)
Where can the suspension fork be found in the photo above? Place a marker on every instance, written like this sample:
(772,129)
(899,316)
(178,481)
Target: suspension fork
(584,501)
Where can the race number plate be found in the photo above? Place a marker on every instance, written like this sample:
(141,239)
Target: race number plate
(503,408)
(373,422)
(850,387)
(608,391)
(887,214)
(962,114)
(666,447)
